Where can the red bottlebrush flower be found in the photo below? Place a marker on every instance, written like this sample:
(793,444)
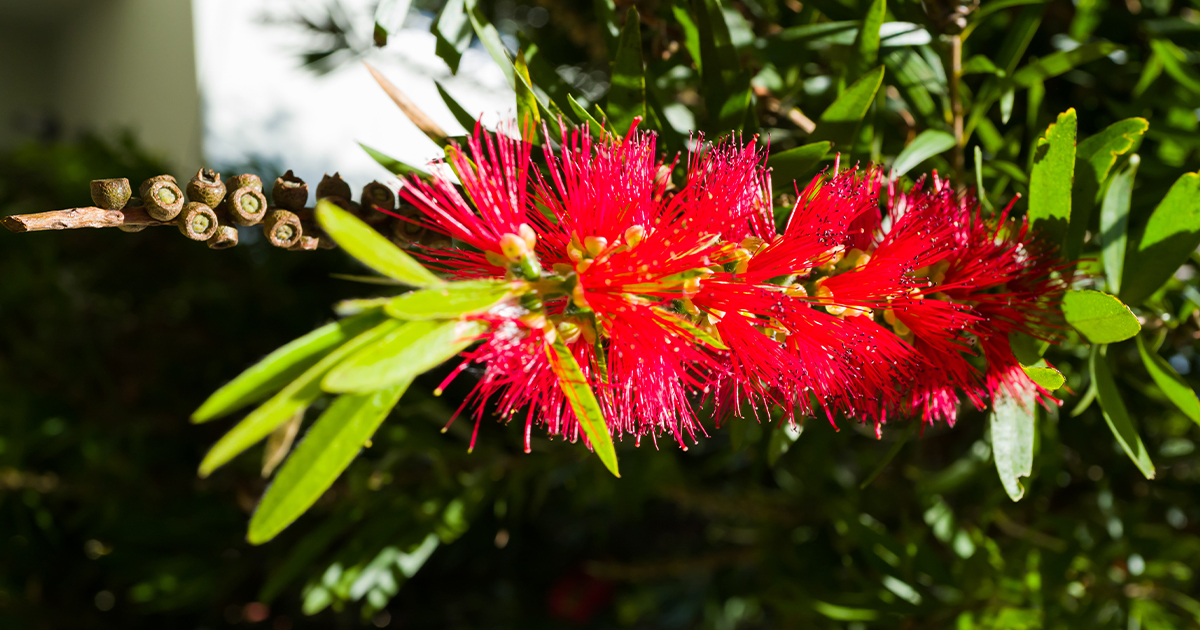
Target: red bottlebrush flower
(669,293)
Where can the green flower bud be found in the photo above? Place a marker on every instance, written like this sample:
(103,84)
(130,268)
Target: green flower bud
(197,221)
(290,192)
(111,194)
(206,187)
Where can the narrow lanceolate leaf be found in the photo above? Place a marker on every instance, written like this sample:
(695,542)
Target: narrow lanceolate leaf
(1052,176)
(865,51)
(1114,223)
(1099,317)
(687,329)
(452,30)
(449,300)
(1012,423)
(328,448)
(394,166)
(627,91)
(1170,382)
(490,38)
(788,166)
(1060,63)
(593,125)
(281,407)
(1115,413)
(1094,159)
(528,115)
(583,402)
(282,366)
(1171,235)
(405,353)
(460,113)
(929,143)
(839,122)
(371,248)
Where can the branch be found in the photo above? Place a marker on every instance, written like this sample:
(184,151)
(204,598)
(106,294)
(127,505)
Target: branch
(75,218)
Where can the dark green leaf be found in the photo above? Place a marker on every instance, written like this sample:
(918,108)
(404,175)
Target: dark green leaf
(1170,382)
(460,114)
(926,145)
(389,18)
(1175,61)
(839,122)
(1094,158)
(407,352)
(627,91)
(293,399)
(790,165)
(1060,62)
(891,454)
(333,442)
(394,166)
(449,300)
(1099,317)
(720,66)
(1170,236)
(865,51)
(370,247)
(1012,424)
(453,33)
(282,366)
(1051,178)
(782,438)
(1114,223)
(978,64)
(1115,413)
(593,125)
(583,402)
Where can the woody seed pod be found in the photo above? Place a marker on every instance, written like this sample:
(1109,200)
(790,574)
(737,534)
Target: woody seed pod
(241,181)
(290,192)
(246,206)
(206,187)
(282,228)
(134,202)
(162,197)
(225,237)
(305,244)
(379,196)
(111,194)
(197,221)
(333,186)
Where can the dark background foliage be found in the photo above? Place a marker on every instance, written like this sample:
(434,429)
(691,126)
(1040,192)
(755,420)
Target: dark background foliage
(109,340)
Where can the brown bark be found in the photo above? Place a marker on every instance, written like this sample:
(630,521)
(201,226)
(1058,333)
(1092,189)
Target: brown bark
(76,218)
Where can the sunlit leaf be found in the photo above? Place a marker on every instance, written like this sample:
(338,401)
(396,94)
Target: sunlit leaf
(926,145)
(490,38)
(1012,423)
(394,166)
(583,402)
(449,300)
(1051,178)
(1170,382)
(1114,222)
(839,122)
(1170,236)
(370,247)
(405,353)
(1044,375)
(1115,413)
(1094,158)
(1099,317)
(452,30)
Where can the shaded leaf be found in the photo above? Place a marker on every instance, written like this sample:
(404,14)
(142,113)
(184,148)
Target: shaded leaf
(926,145)
(1012,423)
(370,247)
(1115,413)
(790,165)
(782,438)
(405,353)
(1094,158)
(583,402)
(1051,178)
(333,442)
(1061,62)
(627,92)
(449,300)
(1114,223)
(865,51)
(839,122)
(279,443)
(1099,317)
(1170,236)
(1170,382)
(389,18)
(460,114)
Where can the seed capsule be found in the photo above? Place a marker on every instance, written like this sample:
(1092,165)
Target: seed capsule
(206,187)
(282,228)
(134,202)
(246,206)
(162,197)
(225,237)
(197,221)
(333,186)
(290,192)
(241,181)
(305,244)
(376,195)
(111,194)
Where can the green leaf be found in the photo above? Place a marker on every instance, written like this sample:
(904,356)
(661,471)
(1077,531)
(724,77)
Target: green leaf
(593,125)
(839,122)
(891,454)
(719,61)
(407,352)
(915,79)
(1099,317)
(1170,236)
(528,115)
(283,366)
(1170,382)
(1045,375)
(1116,415)
(1012,423)
(333,442)
(583,402)
(460,114)
(394,166)
(1051,178)
(926,145)
(606,17)
(1175,61)
(1114,223)
(371,248)
(452,29)
(490,38)
(294,398)
(627,91)
(782,438)
(449,300)
(865,51)
(978,64)
(389,18)
(687,329)
(1094,158)
(790,165)
(1062,62)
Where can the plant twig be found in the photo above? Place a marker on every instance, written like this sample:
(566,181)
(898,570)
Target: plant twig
(956,109)
(76,218)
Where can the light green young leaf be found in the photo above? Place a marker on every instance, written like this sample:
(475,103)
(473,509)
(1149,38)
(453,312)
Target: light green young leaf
(1114,222)
(371,248)
(1170,382)
(583,402)
(1012,424)
(627,91)
(1052,176)
(294,398)
(407,352)
(1115,413)
(1099,317)
(790,165)
(1170,237)
(334,440)
(839,122)
(926,145)
(490,38)
(1045,375)
(394,166)
(1094,158)
(449,300)
(282,366)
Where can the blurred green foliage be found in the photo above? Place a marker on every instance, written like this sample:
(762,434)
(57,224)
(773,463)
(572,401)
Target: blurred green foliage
(108,341)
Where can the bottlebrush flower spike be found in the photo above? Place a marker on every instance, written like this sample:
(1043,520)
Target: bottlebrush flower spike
(669,294)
